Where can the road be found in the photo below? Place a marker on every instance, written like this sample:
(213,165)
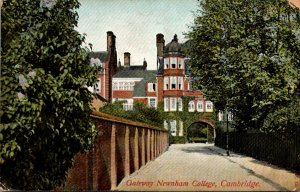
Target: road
(204,167)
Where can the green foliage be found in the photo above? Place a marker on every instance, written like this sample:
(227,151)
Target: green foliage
(285,120)
(45,104)
(246,56)
(140,113)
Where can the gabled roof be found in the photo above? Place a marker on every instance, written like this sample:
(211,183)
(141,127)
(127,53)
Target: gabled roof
(102,55)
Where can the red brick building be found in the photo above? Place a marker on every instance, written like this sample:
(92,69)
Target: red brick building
(168,84)
(134,83)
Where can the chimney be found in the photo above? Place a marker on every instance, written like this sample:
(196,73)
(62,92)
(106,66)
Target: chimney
(160,44)
(111,40)
(126,59)
(145,64)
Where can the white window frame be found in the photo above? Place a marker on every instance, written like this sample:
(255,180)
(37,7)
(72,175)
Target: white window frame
(173,61)
(166,63)
(179,104)
(173,104)
(115,86)
(207,108)
(151,87)
(166,104)
(191,106)
(180,128)
(221,115)
(173,127)
(121,86)
(166,83)
(180,83)
(151,99)
(132,85)
(200,103)
(180,63)
(97,86)
(166,124)
(173,81)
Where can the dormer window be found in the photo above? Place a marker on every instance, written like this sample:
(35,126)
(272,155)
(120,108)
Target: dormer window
(151,87)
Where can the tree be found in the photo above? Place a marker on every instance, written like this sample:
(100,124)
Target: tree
(45,104)
(246,56)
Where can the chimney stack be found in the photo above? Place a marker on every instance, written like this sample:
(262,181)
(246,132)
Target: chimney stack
(126,59)
(111,41)
(160,44)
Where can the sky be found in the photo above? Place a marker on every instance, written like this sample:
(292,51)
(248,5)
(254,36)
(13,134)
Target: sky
(135,24)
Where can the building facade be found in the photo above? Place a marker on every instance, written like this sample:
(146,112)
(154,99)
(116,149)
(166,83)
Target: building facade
(168,85)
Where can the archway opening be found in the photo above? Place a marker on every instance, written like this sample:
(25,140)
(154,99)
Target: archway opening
(200,132)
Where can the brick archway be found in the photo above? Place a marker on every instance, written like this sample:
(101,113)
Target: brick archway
(207,121)
(210,125)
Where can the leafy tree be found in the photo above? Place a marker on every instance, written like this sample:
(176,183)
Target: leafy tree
(246,55)
(45,104)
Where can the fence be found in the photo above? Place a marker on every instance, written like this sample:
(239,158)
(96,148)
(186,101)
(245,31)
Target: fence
(121,147)
(272,148)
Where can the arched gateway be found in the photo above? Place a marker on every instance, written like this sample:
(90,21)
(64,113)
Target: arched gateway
(201,130)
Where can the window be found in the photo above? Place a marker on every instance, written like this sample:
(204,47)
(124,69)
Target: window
(152,102)
(166,83)
(166,61)
(179,104)
(180,63)
(191,106)
(151,87)
(180,128)
(174,62)
(230,116)
(121,86)
(115,86)
(127,106)
(166,126)
(126,86)
(200,106)
(166,104)
(97,86)
(221,116)
(173,82)
(173,127)
(209,106)
(180,83)
(173,104)
(131,85)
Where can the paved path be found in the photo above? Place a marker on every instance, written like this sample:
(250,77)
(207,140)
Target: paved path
(204,167)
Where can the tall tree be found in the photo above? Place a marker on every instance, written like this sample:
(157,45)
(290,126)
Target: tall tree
(45,104)
(246,56)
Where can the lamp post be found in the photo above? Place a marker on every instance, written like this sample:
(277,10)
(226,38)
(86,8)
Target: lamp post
(227,135)
(222,119)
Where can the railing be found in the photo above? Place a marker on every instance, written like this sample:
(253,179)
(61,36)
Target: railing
(270,147)
(121,147)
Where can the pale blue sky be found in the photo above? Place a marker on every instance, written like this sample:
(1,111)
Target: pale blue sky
(135,24)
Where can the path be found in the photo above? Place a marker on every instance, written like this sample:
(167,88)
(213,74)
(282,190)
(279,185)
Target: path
(203,167)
